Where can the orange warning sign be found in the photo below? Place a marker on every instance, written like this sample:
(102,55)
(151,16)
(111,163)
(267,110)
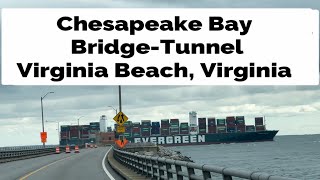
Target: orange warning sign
(122,143)
(43,136)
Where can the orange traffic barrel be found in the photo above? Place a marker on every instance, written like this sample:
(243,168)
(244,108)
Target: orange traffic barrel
(67,149)
(57,150)
(76,149)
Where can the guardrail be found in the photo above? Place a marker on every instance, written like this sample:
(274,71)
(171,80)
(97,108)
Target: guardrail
(8,154)
(26,147)
(162,168)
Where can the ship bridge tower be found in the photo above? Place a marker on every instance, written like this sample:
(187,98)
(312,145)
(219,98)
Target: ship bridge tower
(193,122)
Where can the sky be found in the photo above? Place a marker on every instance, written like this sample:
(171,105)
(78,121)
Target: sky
(289,109)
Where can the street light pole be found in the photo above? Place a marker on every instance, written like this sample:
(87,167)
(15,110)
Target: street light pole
(42,113)
(79,131)
(114,109)
(120,99)
(59,133)
(120,109)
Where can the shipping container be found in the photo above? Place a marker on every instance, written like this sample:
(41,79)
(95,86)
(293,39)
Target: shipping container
(145,129)
(231,121)
(174,131)
(145,134)
(127,135)
(260,128)
(84,132)
(145,122)
(174,121)
(241,129)
(155,130)
(230,118)
(202,131)
(85,127)
(155,124)
(201,120)
(64,128)
(231,129)
(128,129)
(128,123)
(240,122)
(94,124)
(174,126)
(136,129)
(164,132)
(250,128)
(74,133)
(64,135)
(221,129)
(164,121)
(221,122)
(136,124)
(136,134)
(211,121)
(239,117)
(184,131)
(74,128)
(212,129)
(259,121)
(184,124)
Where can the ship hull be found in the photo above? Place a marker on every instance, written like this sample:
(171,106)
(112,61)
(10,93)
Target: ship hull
(204,139)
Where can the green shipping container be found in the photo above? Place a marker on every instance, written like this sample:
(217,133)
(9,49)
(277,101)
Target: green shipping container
(221,121)
(174,125)
(128,123)
(221,128)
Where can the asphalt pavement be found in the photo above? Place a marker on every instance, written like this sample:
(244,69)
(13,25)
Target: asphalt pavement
(73,166)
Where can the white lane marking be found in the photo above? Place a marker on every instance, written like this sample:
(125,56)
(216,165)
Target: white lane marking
(104,166)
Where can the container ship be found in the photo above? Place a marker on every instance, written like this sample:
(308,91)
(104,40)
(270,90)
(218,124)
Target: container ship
(171,132)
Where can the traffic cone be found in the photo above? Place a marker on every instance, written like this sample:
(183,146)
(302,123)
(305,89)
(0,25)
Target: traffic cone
(57,150)
(67,149)
(76,149)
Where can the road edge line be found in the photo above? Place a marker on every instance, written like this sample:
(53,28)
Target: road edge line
(104,165)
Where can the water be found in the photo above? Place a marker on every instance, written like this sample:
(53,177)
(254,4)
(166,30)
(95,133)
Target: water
(289,156)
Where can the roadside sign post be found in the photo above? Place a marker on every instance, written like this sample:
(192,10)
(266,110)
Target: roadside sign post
(121,129)
(43,136)
(120,119)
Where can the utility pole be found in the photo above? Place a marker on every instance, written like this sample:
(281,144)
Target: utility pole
(44,145)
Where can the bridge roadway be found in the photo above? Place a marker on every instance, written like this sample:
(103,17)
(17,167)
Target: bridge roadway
(72,166)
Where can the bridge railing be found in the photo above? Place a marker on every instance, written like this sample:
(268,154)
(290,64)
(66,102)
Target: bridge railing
(163,168)
(23,152)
